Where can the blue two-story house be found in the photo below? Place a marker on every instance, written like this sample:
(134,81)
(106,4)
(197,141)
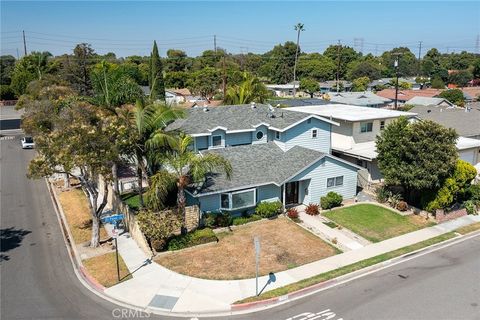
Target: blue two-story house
(275,154)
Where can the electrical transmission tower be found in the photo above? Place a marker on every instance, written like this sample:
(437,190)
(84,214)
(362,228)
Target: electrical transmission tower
(358,44)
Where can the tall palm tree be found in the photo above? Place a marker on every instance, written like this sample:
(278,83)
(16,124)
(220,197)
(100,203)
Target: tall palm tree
(182,167)
(151,139)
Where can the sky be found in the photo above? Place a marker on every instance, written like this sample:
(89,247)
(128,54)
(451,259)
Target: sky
(129,28)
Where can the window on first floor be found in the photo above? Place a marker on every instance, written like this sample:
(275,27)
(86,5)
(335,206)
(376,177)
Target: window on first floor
(366,127)
(238,199)
(382,124)
(335,182)
(217,141)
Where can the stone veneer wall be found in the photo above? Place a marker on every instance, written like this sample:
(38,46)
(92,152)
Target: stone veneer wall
(441,215)
(192,214)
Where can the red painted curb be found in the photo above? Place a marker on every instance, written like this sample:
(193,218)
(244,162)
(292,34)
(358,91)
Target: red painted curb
(91,280)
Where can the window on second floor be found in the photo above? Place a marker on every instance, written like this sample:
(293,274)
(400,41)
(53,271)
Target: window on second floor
(277,135)
(366,127)
(217,141)
(382,124)
(259,135)
(314,133)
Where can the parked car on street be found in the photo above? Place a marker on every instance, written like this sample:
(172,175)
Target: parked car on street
(27,143)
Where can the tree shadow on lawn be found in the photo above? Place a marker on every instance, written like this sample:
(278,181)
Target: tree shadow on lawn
(10,238)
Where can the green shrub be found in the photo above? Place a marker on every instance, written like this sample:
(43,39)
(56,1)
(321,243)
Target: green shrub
(382,194)
(208,220)
(473,193)
(454,188)
(158,226)
(223,219)
(331,200)
(199,236)
(243,220)
(268,209)
(470,206)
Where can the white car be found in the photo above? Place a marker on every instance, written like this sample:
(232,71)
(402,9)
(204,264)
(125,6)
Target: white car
(27,143)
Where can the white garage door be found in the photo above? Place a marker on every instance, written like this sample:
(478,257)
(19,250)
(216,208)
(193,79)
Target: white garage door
(468,155)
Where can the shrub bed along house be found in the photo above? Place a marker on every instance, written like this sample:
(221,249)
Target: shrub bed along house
(268,209)
(243,220)
(199,236)
(331,200)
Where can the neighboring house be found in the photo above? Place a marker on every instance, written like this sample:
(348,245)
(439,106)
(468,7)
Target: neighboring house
(405,95)
(427,101)
(390,82)
(354,139)
(465,121)
(276,154)
(299,102)
(363,99)
(283,90)
(331,86)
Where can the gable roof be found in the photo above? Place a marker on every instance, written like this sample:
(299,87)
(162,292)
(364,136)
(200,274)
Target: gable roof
(465,122)
(428,101)
(238,118)
(351,113)
(357,98)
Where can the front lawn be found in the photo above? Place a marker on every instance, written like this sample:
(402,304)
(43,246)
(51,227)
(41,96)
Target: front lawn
(376,223)
(284,245)
(104,269)
(132,200)
(75,206)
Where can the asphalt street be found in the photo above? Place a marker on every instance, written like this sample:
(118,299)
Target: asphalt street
(37,280)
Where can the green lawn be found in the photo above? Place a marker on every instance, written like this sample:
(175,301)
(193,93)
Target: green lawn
(132,200)
(376,223)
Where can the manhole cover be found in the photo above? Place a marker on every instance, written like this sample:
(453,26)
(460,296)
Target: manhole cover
(164,302)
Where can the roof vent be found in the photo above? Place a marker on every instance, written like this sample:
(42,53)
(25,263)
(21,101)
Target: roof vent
(253,106)
(205,109)
(271,111)
(428,111)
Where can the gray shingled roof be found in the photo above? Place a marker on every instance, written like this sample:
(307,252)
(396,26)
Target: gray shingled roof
(237,117)
(466,124)
(298,102)
(258,164)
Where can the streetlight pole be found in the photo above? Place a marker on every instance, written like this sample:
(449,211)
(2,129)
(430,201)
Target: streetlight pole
(299,27)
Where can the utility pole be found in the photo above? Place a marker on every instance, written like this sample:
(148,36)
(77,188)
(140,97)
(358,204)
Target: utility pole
(419,57)
(395,64)
(339,58)
(299,28)
(215,43)
(24,43)
(18,57)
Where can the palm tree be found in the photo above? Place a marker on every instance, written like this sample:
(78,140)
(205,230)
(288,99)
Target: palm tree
(250,90)
(149,122)
(182,167)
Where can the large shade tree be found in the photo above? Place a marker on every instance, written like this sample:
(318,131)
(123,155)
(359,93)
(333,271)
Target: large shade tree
(416,156)
(182,167)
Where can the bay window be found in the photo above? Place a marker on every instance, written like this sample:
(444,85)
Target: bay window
(238,199)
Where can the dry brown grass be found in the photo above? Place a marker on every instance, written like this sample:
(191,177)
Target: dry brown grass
(470,228)
(284,245)
(104,269)
(77,212)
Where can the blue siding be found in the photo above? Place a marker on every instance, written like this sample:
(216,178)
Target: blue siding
(268,193)
(239,138)
(209,203)
(217,133)
(301,135)
(202,142)
(318,174)
(264,139)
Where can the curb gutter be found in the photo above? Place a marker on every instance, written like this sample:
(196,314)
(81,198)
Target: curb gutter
(92,284)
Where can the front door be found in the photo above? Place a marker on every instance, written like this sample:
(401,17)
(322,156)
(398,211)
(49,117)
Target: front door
(291,193)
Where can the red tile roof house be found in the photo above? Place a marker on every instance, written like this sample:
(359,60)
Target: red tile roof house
(405,95)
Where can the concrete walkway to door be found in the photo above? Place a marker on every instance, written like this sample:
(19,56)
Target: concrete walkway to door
(345,241)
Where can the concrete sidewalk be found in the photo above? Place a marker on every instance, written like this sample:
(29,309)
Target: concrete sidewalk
(154,287)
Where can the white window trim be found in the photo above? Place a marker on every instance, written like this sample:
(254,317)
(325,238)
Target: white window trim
(235,192)
(335,182)
(366,123)
(221,142)
(316,133)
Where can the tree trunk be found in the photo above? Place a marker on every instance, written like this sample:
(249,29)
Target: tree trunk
(181,207)
(116,188)
(95,242)
(311,95)
(66,181)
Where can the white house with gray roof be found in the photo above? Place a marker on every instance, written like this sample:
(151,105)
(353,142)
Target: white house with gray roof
(276,154)
(354,139)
